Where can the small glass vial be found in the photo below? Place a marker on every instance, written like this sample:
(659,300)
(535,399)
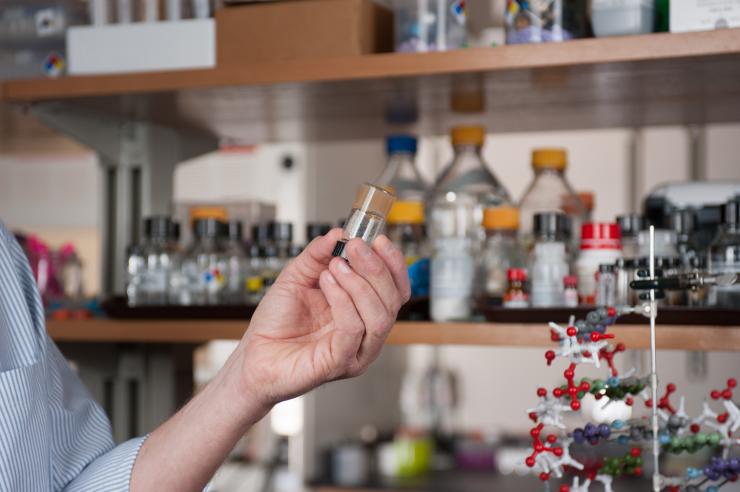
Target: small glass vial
(697,265)
(624,271)
(516,296)
(570,294)
(135,267)
(630,226)
(606,286)
(549,259)
(236,265)
(406,230)
(158,257)
(367,218)
(271,266)
(501,251)
(254,283)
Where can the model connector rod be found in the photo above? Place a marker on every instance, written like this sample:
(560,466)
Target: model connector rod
(688,281)
(367,218)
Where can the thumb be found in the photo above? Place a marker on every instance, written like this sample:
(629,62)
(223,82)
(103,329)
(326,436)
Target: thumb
(306,268)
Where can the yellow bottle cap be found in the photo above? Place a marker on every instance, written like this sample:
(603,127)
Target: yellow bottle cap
(468,135)
(406,212)
(501,218)
(549,158)
(218,213)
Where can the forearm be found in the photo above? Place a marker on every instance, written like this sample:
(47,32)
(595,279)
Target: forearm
(184,452)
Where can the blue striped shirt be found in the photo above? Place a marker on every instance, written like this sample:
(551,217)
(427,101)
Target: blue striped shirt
(53,436)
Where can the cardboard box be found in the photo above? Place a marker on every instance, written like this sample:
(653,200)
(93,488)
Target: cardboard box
(699,15)
(306,29)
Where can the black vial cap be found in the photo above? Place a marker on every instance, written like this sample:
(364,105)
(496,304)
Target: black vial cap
(158,227)
(175,231)
(280,231)
(260,234)
(606,268)
(314,230)
(630,224)
(209,228)
(235,230)
(551,225)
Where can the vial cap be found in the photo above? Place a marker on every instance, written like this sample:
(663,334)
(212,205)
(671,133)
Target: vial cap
(406,212)
(400,143)
(551,225)
(175,230)
(374,199)
(600,235)
(280,231)
(630,224)
(468,135)
(570,281)
(731,211)
(606,268)
(207,212)
(550,158)
(158,227)
(209,228)
(501,218)
(519,274)
(314,230)
(235,230)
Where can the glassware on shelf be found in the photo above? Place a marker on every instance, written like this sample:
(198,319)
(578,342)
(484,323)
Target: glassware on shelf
(71,266)
(600,244)
(457,200)
(501,252)
(159,255)
(570,294)
(724,256)
(255,284)
(406,230)
(429,25)
(516,294)
(630,226)
(606,291)
(401,172)
(545,21)
(236,265)
(205,264)
(550,191)
(549,263)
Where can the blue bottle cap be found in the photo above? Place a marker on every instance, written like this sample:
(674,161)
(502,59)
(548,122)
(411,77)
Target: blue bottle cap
(400,143)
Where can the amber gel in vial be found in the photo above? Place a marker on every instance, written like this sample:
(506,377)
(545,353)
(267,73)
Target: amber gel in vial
(367,218)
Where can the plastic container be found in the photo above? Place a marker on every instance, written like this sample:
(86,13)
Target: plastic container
(622,17)
(406,230)
(549,264)
(724,256)
(429,25)
(549,192)
(600,244)
(502,250)
(545,21)
(458,198)
(401,172)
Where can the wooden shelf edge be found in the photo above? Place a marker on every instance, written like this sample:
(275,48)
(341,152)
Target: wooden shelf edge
(671,337)
(573,53)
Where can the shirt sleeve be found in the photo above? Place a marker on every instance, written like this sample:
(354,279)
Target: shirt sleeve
(110,471)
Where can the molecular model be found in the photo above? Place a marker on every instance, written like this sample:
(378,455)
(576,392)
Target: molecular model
(587,341)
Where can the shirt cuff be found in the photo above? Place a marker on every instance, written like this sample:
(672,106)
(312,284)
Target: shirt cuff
(111,471)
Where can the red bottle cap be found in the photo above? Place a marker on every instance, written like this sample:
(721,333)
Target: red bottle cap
(570,281)
(516,274)
(601,235)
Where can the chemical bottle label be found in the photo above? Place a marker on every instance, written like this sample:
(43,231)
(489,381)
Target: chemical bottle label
(452,269)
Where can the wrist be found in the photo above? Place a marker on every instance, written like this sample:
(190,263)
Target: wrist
(241,398)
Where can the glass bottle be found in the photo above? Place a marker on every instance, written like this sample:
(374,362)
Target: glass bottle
(606,290)
(457,200)
(280,234)
(135,268)
(71,273)
(254,281)
(724,255)
(271,266)
(210,262)
(697,297)
(177,281)
(158,257)
(502,250)
(570,293)
(549,263)
(401,172)
(630,226)
(236,265)
(550,192)
(406,230)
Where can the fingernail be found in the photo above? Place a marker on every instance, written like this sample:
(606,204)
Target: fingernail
(343,267)
(329,277)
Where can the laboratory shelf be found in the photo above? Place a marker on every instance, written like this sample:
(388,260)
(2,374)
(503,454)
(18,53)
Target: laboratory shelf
(668,78)
(674,337)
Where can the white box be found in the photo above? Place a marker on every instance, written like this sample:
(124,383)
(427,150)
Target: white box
(704,15)
(141,47)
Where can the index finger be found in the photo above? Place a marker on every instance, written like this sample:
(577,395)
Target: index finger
(314,259)
(396,264)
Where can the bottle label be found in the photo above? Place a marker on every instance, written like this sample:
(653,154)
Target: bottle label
(516,300)
(213,280)
(254,284)
(452,269)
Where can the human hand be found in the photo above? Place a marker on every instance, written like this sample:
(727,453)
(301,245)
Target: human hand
(323,319)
